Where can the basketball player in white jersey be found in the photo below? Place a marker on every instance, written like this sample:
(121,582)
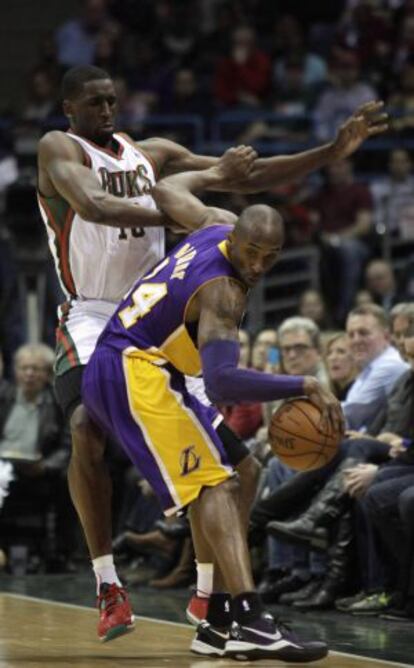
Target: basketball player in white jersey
(104,233)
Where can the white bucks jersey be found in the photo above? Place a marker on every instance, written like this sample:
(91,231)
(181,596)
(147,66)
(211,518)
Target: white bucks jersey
(96,261)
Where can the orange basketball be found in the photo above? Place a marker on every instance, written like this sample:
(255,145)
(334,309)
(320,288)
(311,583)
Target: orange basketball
(296,439)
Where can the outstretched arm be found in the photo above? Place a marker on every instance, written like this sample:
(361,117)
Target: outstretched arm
(366,122)
(222,304)
(61,167)
(174,194)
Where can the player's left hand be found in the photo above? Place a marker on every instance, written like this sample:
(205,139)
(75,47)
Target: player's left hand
(367,121)
(236,163)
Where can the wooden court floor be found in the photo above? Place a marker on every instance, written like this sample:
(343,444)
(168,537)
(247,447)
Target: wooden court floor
(46,634)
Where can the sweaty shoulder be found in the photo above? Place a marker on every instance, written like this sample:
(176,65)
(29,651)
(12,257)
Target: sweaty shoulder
(220,305)
(161,151)
(57,144)
(54,147)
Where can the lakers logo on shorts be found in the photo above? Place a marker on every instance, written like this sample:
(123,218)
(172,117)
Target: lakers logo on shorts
(189,460)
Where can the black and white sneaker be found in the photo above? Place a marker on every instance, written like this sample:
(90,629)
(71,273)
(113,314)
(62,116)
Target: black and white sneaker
(264,639)
(209,641)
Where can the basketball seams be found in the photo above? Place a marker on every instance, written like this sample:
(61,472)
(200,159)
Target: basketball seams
(297,441)
(297,405)
(330,446)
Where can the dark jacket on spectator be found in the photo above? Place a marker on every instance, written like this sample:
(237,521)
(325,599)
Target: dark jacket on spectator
(398,415)
(53,437)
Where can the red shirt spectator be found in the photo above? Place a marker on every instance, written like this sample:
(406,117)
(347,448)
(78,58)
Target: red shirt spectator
(243,77)
(243,419)
(342,205)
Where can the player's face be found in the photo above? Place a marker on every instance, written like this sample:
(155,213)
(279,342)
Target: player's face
(253,259)
(367,338)
(92,113)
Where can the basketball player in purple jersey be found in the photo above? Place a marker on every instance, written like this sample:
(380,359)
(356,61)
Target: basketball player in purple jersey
(104,230)
(182,318)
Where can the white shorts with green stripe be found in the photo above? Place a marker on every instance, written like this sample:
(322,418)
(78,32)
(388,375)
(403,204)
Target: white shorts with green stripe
(81,322)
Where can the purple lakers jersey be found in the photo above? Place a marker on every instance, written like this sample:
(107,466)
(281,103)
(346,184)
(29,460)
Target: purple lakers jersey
(150,322)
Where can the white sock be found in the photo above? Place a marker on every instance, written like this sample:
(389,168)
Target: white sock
(204,580)
(105,571)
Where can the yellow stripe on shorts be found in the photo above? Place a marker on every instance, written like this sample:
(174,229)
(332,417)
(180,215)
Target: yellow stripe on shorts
(186,455)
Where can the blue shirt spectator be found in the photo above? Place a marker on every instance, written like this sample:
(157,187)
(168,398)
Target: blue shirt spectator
(76,39)
(380,366)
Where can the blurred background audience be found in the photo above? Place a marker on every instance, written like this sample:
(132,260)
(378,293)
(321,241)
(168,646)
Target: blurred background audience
(339,305)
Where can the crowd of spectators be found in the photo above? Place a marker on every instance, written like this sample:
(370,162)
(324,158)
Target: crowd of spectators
(172,59)
(171,56)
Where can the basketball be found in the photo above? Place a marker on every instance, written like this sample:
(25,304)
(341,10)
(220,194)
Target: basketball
(295,437)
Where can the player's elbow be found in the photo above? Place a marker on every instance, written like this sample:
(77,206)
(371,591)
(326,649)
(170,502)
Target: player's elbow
(217,388)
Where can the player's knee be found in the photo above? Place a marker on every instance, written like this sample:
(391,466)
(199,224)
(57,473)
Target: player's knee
(87,439)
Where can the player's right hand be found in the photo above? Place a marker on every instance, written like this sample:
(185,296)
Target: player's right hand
(332,417)
(236,163)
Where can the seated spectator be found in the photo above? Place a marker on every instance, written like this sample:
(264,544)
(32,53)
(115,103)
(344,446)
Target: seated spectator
(381,283)
(340,364)
(243,77)
(186,98)
(12,315)
(394,195)
(404,52)
(42,96)
(107,52)
(312,306)
(390,505)
(76,39)
(178,39)
(346,92)
(368,29)
(290,46)
(300,348)
(342,213)
(402,321)
(379,365)
(401,103)
(245,352)
(264,350)
(291,101)
(362,297)
(8,165)
(34,439)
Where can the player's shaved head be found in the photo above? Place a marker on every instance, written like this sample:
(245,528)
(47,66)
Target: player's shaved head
(76,77)
(260,223)
(256,241)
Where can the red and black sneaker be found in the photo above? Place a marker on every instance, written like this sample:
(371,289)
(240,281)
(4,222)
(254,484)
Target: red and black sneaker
(197,609)
(115,612)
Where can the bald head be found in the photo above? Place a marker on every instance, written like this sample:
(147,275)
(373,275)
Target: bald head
(260,222)
(256,241)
